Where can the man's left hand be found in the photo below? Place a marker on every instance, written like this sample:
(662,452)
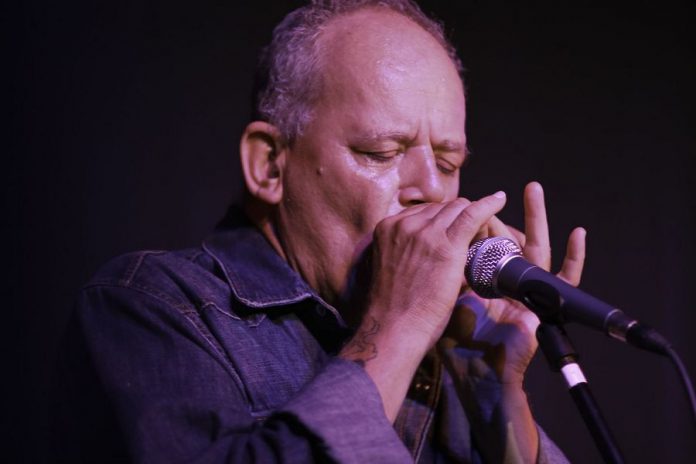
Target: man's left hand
(501,332)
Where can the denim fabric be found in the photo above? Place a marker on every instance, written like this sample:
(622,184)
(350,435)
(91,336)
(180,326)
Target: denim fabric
(224,354)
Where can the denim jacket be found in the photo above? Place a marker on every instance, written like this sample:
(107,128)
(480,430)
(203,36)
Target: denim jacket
(224,354)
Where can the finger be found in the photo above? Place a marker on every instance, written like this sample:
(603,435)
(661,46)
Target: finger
(537,248)
(416,218)
(574,260)
(497,228)
(470,219)
(428,210)
(420,208)
(449,213)
(520,238)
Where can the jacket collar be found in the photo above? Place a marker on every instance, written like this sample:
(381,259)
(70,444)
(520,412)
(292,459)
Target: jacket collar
(257,275)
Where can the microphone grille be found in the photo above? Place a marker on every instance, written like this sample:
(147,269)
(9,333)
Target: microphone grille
(482,262)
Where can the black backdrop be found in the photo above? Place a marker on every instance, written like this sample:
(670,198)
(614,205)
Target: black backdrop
(123,135)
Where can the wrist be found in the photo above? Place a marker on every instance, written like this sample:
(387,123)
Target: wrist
(390,356)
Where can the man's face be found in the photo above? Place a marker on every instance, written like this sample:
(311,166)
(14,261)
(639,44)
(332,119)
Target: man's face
(387,133)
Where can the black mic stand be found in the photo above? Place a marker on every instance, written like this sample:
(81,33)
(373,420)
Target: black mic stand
(563,358)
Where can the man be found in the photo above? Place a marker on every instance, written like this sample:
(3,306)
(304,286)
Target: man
(330,323)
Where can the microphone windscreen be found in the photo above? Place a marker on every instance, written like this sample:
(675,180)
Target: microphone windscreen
(482,261)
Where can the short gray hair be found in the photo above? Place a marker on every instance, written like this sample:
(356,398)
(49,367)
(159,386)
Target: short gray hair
(287,81)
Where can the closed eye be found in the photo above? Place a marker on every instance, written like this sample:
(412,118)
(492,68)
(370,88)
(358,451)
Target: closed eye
(446,167)
(379,157)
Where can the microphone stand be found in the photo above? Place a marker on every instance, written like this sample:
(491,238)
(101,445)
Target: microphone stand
(563,358)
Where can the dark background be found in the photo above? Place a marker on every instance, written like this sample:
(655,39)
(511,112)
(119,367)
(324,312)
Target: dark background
(123,131)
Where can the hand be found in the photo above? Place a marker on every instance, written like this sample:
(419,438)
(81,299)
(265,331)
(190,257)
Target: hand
(418,258)
(498,336)
(488,344)
(417,261)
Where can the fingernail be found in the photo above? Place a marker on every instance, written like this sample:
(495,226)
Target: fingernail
(499,194)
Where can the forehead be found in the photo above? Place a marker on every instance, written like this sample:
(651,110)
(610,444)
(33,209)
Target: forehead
(383,59)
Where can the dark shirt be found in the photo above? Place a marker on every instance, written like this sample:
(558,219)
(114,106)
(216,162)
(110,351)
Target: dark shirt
(224,354)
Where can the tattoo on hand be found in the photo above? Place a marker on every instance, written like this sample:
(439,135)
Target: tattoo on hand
(361,348)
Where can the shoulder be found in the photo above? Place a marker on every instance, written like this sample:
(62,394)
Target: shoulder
(136,267)
(150,296)
(186,279)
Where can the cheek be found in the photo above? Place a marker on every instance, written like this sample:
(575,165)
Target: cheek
(336,190)
(362,196)
(452,189)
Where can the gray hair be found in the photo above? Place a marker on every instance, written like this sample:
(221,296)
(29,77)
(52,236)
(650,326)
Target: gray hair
(287,82)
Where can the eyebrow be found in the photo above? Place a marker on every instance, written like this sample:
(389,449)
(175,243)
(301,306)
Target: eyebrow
(396,136)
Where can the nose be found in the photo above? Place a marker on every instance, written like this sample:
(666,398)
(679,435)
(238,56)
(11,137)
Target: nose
(420,179)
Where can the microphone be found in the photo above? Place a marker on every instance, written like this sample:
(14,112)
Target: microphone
(495,268)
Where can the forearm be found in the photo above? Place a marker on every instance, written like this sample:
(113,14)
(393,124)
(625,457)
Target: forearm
(390,358)
(520,432)
(501,420)
(503,427)
(177,397)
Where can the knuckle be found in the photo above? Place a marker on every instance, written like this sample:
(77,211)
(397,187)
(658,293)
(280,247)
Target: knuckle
(463,202)
(409,226)
(382,227)
(467,217)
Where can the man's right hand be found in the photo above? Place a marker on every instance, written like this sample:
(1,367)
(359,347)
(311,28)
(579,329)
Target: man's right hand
(418,260)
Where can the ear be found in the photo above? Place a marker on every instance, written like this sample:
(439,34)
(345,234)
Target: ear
(263,155)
